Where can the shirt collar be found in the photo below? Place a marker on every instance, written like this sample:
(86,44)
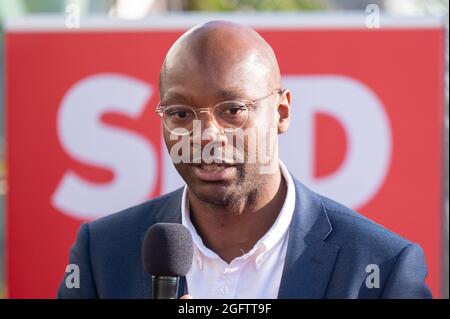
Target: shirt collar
(264,244)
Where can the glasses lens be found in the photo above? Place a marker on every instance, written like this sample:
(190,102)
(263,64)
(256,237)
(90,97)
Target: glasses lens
(231,115)
(179,118)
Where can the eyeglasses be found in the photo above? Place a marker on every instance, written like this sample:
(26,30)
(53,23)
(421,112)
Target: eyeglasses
(228,116)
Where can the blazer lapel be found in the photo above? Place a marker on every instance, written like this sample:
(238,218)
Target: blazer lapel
(309,259)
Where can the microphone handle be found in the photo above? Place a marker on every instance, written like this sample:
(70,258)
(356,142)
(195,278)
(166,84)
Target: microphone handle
(165,287)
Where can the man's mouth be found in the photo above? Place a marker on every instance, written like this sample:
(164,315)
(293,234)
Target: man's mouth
(213,167)
(213,172)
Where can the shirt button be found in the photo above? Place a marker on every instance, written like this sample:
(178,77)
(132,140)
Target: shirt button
(224,290)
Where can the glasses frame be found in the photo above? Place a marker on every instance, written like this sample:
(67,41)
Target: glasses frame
(160,109)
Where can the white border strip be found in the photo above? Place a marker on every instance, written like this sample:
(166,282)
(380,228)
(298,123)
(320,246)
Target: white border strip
(182,21)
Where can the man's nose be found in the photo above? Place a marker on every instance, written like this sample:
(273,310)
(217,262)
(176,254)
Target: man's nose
(210,131)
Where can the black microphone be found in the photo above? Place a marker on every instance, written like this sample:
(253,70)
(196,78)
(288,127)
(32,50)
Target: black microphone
(167,254)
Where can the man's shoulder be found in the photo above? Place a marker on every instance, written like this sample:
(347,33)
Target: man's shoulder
(361,242)
(351,229)
(160,209)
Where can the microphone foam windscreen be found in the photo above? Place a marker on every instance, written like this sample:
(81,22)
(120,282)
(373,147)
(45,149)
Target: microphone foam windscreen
(167,250)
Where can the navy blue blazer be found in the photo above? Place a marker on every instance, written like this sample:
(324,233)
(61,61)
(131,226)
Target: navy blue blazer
(331,253)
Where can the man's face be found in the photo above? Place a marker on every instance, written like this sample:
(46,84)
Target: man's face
(203,86)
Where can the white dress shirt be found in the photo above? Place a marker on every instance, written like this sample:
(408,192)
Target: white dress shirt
(256,274)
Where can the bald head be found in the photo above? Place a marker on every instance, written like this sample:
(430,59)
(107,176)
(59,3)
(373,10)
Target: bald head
(219,58)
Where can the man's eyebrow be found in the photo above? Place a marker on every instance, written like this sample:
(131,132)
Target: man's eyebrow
(222,95)
(230,94)
(175,96)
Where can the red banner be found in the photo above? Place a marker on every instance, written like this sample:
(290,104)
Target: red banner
(83,140)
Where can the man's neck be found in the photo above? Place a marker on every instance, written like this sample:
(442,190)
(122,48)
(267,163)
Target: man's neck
(231,234)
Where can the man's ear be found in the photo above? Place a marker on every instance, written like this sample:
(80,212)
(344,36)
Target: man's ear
(284,111)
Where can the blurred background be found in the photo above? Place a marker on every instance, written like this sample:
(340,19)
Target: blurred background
(145,9)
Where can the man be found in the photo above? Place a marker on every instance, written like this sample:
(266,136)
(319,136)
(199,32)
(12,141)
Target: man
(257,231)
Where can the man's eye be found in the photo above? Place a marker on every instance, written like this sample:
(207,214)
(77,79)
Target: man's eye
(234,110)
(179,114)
